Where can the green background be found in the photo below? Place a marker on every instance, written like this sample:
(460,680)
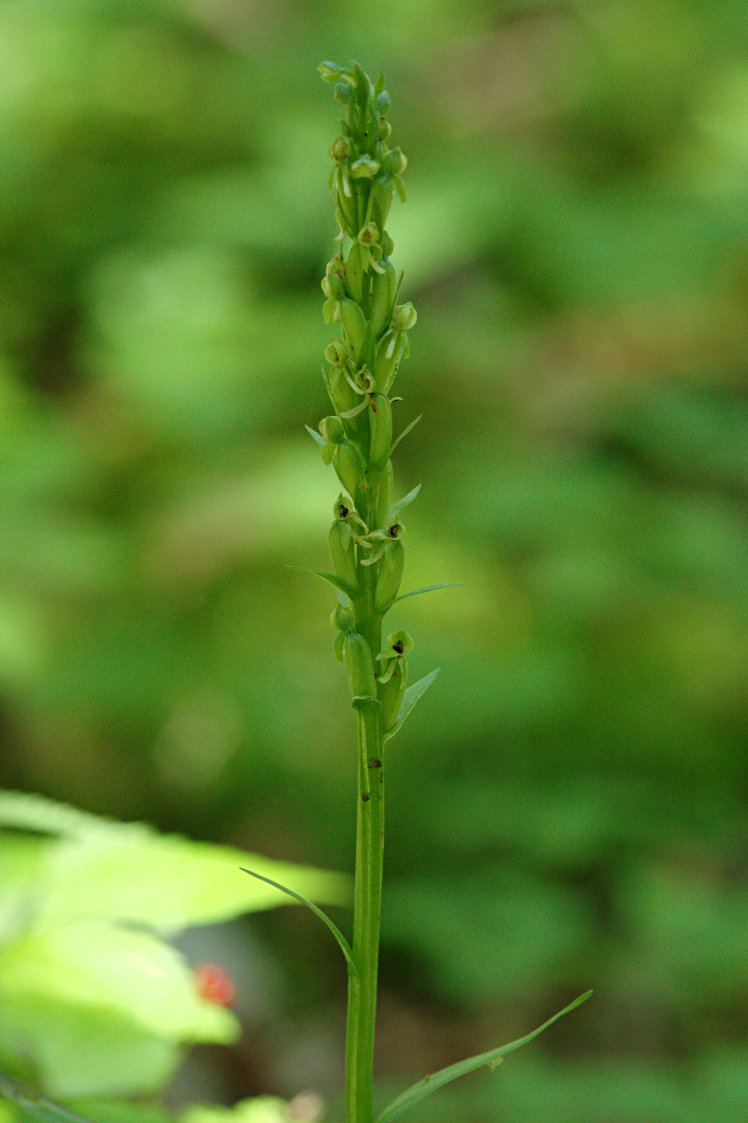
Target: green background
(567,806)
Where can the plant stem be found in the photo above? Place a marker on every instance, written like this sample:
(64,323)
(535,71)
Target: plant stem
(362,997)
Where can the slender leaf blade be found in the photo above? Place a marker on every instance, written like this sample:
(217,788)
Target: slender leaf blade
(315,436)
(345,947)
(406,499)
(331,579)
(410,697)
(404,433)
(446,1075)
(34,1104)
(428,589)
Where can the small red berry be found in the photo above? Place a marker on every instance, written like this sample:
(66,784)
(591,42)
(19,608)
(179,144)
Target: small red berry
(215,984)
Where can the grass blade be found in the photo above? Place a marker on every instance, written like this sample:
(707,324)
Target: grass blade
(445,1075)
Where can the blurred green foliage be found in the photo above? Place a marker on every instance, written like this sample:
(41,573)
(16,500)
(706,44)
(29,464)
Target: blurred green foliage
(568,806)
(94,1000)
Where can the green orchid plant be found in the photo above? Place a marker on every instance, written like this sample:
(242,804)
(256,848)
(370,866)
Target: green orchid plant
(366,538)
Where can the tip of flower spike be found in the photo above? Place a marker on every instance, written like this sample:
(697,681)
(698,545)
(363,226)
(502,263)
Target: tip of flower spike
(330,71)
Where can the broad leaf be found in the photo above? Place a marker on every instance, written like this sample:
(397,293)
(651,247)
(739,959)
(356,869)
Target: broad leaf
(165,882)
(103,1009)
(262,1109)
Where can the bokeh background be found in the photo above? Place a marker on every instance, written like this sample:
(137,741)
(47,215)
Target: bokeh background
(567,806)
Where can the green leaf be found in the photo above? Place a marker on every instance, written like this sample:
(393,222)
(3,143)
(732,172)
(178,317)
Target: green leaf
(331,579)
(410,697)
(315,436)
(429,589)
(165,882)
(404,433)
(22,858)
(30,812)
(345,947)
(103,1009)
(260,1109)
(93,963)
(34,1104)
(445,1075)
(406,499)
(122,1111)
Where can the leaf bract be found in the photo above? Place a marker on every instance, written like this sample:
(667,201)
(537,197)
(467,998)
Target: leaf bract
(490,1059)
(410,697)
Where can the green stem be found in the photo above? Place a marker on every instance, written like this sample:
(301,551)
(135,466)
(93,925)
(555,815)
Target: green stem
(362,995)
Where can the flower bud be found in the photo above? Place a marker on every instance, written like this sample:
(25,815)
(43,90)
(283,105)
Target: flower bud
(368,234)
(380,200)
(382,103)
(343,93)
(404,317)
(387,244)
(332,430)
(355,272)
(389,577)
(331,311)
(391,695)
(349,465)
(343,554)
(383,493)
(393,676)
(380,429)
(342,617)
(365,167)
(359,666)
(338,352)
(342,394)
(346,202)
(335,268)
(384,130)
(395,162)
(339,150)
(390,350)
(354,323)
(383,292)
(330,71)
(332,287)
